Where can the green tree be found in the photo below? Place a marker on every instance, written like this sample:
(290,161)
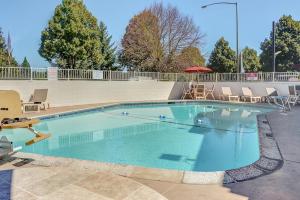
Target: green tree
(190,56)
(3,51)
(141,49)
(107,49)
(251,60)
(6,58)
(222,58)
(287,42)
(71,39)
(25,63)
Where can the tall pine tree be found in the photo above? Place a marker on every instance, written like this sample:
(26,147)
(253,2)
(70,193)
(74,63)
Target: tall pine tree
(71,38)
(3,51)
(222,59)
(107,49)
(25,63)
(6,60)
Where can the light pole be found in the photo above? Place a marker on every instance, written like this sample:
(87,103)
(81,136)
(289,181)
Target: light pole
(237,28)
(275,54)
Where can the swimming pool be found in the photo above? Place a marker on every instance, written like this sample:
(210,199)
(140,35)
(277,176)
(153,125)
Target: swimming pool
(205,136)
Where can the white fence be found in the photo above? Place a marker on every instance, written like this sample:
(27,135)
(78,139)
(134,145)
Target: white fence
(18,73)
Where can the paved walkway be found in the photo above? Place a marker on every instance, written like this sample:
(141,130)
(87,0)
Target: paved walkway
(26,180)
(283,184)
(54,110)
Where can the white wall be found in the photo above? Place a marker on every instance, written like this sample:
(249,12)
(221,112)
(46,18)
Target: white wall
(61,93)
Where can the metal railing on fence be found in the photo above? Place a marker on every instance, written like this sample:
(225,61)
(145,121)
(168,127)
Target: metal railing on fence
(19,73)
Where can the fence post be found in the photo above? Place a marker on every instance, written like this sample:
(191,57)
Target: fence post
(216,74)
(273,76)
(110,75)
(68,74)
(30,73)
(175,77)
(157,76)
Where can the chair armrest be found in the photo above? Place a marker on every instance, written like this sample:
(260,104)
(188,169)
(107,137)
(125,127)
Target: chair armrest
(28,103)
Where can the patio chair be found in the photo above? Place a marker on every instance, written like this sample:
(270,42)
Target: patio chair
(280,101)
(293,96)
(247,94)
(210,92)
(297,89)
(199,91)
(37,101)
(186,92)
(226,93)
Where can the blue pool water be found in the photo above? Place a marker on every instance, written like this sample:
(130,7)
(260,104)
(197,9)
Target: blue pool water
(185,136)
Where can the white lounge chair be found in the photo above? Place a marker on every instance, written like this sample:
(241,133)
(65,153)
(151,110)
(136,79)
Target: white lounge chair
(37,101)
(247,94)
(226,93)
(271,91)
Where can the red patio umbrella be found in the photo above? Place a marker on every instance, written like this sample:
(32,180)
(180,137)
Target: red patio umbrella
(198,69)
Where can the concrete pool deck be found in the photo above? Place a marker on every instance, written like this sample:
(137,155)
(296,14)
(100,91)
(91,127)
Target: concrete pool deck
(285,182)
(242,190)
(20,179)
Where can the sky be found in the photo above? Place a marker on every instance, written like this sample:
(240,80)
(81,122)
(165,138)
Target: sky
(25,19)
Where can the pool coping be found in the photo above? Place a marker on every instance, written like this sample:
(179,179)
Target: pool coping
(111,105)
(269,161)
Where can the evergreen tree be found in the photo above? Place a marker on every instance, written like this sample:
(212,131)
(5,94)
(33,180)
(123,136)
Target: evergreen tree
(71,39)
(3,51)
(107,49)
(251,60)
(287,42)
(6,59)
(25,63)
(222,58)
